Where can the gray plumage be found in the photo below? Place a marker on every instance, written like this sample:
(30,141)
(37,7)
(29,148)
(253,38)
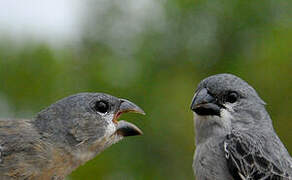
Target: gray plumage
(235,138)
(63,136)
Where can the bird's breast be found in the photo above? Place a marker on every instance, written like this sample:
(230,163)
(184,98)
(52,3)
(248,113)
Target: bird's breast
(209,161)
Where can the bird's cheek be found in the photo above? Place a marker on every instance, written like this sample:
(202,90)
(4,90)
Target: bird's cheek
(108,126)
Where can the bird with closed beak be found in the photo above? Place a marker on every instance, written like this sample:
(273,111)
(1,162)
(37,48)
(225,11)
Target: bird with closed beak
(235,138)
(63,136)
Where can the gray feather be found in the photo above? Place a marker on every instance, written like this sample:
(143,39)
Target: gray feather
(240,142)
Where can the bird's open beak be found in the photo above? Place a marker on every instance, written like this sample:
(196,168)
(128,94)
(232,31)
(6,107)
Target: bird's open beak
(125,128)
(205,104)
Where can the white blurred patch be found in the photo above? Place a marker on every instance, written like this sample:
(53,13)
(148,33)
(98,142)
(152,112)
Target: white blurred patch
(51,20)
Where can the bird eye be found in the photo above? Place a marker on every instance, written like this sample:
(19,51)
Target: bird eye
(232,97)
(101,106)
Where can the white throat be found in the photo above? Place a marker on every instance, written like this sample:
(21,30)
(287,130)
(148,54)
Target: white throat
(212,126)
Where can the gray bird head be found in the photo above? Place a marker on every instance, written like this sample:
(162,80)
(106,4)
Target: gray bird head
(224,101)
(86,123)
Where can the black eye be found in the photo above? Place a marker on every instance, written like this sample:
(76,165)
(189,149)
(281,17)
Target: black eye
(101,106)
(232,97)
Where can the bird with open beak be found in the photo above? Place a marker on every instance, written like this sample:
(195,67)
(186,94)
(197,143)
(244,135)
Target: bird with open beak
(63,136)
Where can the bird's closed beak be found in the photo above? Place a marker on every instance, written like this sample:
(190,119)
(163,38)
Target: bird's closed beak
(205,104)
(125,128)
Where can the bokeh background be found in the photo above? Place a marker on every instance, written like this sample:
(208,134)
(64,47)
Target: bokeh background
(153,52)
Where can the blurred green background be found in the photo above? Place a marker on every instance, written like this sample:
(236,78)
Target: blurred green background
(154,52)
